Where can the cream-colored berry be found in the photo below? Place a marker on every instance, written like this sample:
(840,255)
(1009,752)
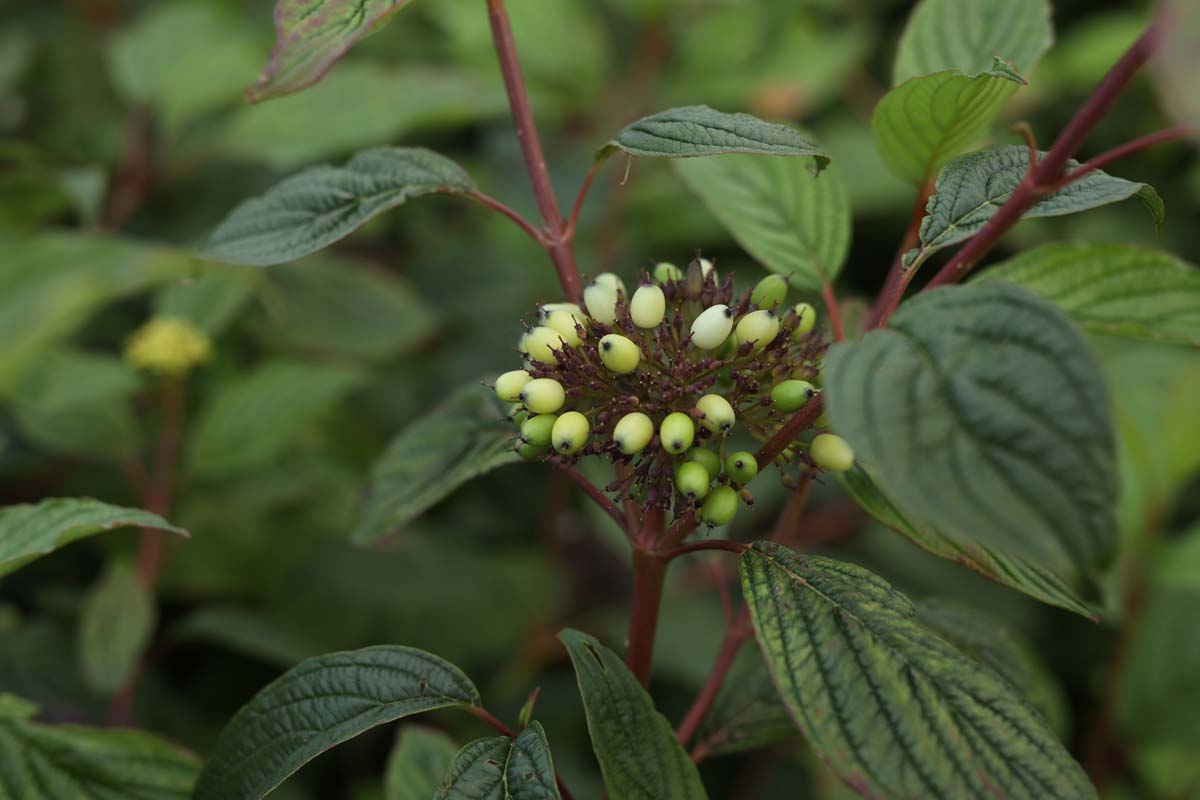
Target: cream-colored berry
(717,415)
(619,354)
(759,328)
(570,433)
(711,328)
(509,385)
(543,395)
(807,318)
(541,342)
(648,306)
(601,302)
(633,432)
(831,452)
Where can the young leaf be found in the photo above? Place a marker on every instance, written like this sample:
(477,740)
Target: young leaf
(638,753)
(794,223)
(503,769)
(895,710)
(970,190)
(72,761)
(417,763)
(116,623)
(747,713)
(30,531)
(317,207)
(1119,290)
(983,419)
(703,131)
(310,35)
(464,438)
(968,34)
(928,120)
(320,703)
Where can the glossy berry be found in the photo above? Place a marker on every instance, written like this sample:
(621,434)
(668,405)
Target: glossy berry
(612,281)
(721,506)
(677,432)
(546,309)
(692,480)
(541,342)
(543,395)
(741,467)
(570,433)
(717,414)
(832,453)
(529,452)
(712,327)
(648,306)
(807,316)
(508,386)
(790,396)
(759,328)
(707,459)
(537,429)
(665,272)
(633,432)
(601,302)
(563,323)
(769,292)
(619,354)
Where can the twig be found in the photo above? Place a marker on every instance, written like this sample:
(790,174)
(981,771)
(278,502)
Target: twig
(899,277)
(790,430)
(1120,151)
(522,223)
(583,191)
(695,547)
(608,506)
(835,315)
(736,634)
(649,574)
(793,510)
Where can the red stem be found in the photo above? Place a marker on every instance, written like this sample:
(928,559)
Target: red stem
(593,492)
(649,573)
(522,223)
(695,547)
(583,191)
(736,635)
(800,421)
(835,315)
(899,277)
(1120,151)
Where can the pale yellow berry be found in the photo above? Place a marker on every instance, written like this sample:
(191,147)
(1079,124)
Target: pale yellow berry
(648,306)
(601,302)
(563,322)
(619,354)
(570,433)
(509,385)
(758,327)
(677,432)
(666,272)
(711,328)
(633,432)
(831,452)
(543,395)
(612,281)
(807,316)
(541,342)
(717,415)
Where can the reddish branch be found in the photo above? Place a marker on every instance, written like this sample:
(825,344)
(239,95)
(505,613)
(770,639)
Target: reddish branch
(649,574)
(696,547)
(593,492)
(736,634)
(835,314)
(801,420)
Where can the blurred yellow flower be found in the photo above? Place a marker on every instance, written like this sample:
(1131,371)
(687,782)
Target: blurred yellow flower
(167,346)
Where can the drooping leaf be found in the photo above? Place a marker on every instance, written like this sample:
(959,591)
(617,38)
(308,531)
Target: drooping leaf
(894,709)
(1118,290)
(320,703)
(464,438)
(638,753)
(970,190)
(31,530)
(253,419)
(315,208)
(417,763)
(116,622)
(793,222)
(702,131)
(968,34)
(40,762)
(310,35)
(501,768)
(981,420)
(747,712)
(928,120)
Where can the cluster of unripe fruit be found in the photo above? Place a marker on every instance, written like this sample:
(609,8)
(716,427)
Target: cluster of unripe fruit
(657,382)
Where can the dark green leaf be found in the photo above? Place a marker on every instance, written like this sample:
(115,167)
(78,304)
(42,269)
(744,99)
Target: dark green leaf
(464,438)
(315,208)
(29,531)
(1119,290)
(116,623)
(211,300)
(417,763)
(747,713)
(895,710)
(982,418)
(638,753)
(320,703)
(501,768)
(272,639)
(793,222)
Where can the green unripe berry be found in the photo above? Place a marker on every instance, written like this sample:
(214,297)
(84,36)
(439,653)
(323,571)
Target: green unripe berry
(570,433)
(528,451)
(792,395)
(807,316)
(769,292)
(508,386)
(612,281)
(712,327)
(666,272)
(648,306)
(537,429)
(619,354)
(601,302)
(517,414)
(692,480)
(760,327)
(716,413)
(543,395)
(563,323)
(541,342)
(822,421)
(677,432)
(633,432)
(741,467)
(832,453)
(721,506)
(707,459)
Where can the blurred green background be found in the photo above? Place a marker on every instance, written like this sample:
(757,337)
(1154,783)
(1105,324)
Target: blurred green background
(124,140)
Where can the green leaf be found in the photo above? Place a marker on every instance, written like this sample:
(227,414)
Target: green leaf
(794,223)
(310,35)
(464,438)
(928,120)
(211,300)
(116,623)
(1119,290)
(968,34)
(983,420)
(747,713)
(970,190)
(271,638)
(895,710)
(417,763)
(638,753)
(252,420)
(320,703)
(317,207)
(30,531)
(501,768)
(702,131)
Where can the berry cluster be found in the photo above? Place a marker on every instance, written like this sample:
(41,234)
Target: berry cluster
(657,382)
